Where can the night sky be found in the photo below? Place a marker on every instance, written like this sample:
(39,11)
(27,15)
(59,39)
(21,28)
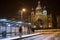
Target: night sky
(9,8)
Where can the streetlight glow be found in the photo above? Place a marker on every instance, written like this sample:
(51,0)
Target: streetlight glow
(23,10)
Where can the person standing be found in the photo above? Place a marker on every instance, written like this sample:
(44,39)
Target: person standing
(20,31)
(4,34)
(28,31)
(32,30)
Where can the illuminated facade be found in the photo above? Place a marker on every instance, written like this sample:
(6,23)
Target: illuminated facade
(39,16)
(50,21)
(58,21)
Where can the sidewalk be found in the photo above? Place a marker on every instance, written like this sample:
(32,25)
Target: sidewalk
(23,36)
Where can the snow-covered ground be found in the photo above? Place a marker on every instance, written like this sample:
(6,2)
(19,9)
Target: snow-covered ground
(44,37)
(16,37)
(37,37)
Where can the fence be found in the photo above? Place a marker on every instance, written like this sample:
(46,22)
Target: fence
(10,28)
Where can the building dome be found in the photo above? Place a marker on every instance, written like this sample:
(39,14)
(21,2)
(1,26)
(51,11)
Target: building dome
(38,6)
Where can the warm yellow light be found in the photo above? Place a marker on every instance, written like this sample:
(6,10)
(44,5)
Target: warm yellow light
(34,26)
(23,9)
(50,25)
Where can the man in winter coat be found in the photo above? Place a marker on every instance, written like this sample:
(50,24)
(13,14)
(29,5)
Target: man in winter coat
(20,31)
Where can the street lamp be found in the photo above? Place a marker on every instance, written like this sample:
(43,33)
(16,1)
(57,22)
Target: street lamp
(23,10)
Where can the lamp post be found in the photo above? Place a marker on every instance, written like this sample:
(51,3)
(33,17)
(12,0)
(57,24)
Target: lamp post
(21,11)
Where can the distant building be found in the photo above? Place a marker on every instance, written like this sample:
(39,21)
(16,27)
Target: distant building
(58,21)
(39,16)
(50,24)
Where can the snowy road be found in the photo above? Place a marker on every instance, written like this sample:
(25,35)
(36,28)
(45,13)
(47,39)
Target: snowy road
(44,37)
(38,37)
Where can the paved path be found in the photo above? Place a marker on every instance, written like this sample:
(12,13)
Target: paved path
(45,37)
(40,37)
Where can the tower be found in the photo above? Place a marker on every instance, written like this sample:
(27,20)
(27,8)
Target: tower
(38,8)
(44,12)
(39,17)
(32,15)
(38,12)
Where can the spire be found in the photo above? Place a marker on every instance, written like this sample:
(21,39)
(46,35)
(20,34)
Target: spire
(38,6)
(44,7)
(32,9)
(38,2)
(44,10)
(32,13)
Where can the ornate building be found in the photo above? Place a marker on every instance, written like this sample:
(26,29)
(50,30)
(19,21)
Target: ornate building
(39,16)
(50,21)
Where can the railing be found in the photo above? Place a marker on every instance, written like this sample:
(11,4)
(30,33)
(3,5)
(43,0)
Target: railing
(23,36)
(9,34)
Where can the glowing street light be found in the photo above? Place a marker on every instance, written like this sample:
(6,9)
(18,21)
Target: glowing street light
(23,10)
(21,13)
